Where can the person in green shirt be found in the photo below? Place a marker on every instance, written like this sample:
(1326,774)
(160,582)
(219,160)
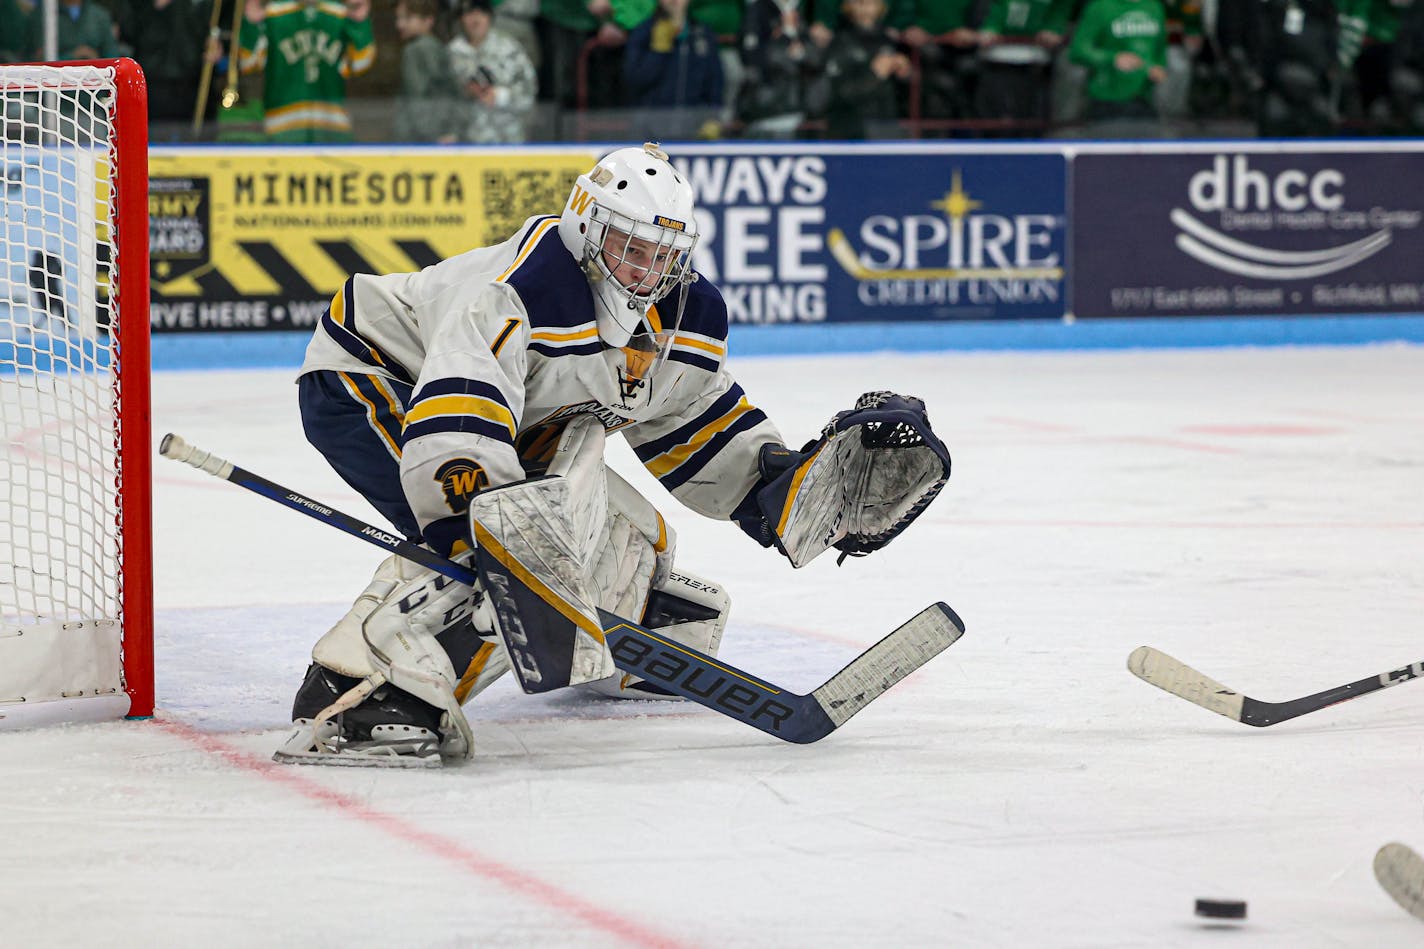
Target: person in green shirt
(1016,45)
(306,50)
(1124,45)
(569,24)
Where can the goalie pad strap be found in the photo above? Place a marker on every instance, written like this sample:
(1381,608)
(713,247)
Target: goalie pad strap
(402,638)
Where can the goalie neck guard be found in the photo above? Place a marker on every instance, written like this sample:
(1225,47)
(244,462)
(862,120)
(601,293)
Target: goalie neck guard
(629,223)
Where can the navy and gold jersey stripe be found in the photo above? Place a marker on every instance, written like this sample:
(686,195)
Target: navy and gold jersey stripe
(582,341)
(460,405)
(339,322)
(679,455)
(533,230)
(384,412)
(470,424)
(697,351)
(461,387)
(550,283)
(527,246)
(705,313)
(693,359)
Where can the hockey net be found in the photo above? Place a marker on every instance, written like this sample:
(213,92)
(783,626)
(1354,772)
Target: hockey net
(75,551)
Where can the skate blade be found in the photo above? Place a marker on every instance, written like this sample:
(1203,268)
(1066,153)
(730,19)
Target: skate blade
(348,759)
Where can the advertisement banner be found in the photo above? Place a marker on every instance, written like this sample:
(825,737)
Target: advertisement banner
(871,235)
(1239,232)
(260,239)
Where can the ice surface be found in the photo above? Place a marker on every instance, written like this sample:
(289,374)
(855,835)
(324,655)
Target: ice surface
(1257,513)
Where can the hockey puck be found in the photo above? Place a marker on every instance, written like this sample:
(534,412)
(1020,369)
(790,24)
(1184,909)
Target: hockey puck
(1221,909)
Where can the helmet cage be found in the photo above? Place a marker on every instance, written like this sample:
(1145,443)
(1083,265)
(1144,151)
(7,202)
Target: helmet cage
(609,243)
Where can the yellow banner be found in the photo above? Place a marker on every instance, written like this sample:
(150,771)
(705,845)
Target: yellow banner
(262,238)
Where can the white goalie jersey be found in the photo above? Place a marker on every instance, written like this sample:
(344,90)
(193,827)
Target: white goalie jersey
(498,348)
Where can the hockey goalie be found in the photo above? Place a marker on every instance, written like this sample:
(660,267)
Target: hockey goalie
(470,403)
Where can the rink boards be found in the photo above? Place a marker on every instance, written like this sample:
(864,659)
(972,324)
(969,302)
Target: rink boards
(835,247)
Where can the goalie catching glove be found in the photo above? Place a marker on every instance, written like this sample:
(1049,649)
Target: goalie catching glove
(874,469)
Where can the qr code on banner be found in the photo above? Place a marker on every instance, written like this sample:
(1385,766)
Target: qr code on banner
(510,197)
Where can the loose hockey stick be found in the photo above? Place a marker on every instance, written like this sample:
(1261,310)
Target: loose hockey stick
(1159,669)
(710,682)
(1401,872)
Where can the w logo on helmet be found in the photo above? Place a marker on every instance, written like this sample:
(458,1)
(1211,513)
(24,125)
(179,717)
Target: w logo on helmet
(579,200)
(461,479)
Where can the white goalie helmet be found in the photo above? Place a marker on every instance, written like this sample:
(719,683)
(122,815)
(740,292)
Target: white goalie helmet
(629,223)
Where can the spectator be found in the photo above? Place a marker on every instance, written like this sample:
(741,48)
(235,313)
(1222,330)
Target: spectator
(426,110)
(319,43)
(862,65)
(169,38)
(1124,45)
(516,19)
(1376,52)
(1211,93)
(568,25)
(15,30)
(86,31)
(1407,70)
(1184,47)
(826,18)
(672,63)
(1287,54)
(777,56)
(495,74)
(944,34)
(725,18)
(1016,50)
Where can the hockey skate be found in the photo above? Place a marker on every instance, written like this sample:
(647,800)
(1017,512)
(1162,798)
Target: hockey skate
(388,728)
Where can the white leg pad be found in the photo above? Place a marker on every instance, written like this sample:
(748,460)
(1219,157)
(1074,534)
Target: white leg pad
(695,614)
(400,640)
(342,649)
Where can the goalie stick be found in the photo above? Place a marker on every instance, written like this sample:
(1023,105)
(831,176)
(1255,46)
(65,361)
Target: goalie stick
(1171,675)
(1400,871)
(693,675)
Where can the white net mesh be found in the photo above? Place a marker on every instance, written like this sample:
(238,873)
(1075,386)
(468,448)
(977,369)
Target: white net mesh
(60,543)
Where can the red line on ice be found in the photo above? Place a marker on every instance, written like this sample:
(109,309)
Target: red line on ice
(1165,442)
(525,884)
(1261,429)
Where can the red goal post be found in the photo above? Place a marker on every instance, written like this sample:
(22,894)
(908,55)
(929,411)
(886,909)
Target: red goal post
(76,563)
